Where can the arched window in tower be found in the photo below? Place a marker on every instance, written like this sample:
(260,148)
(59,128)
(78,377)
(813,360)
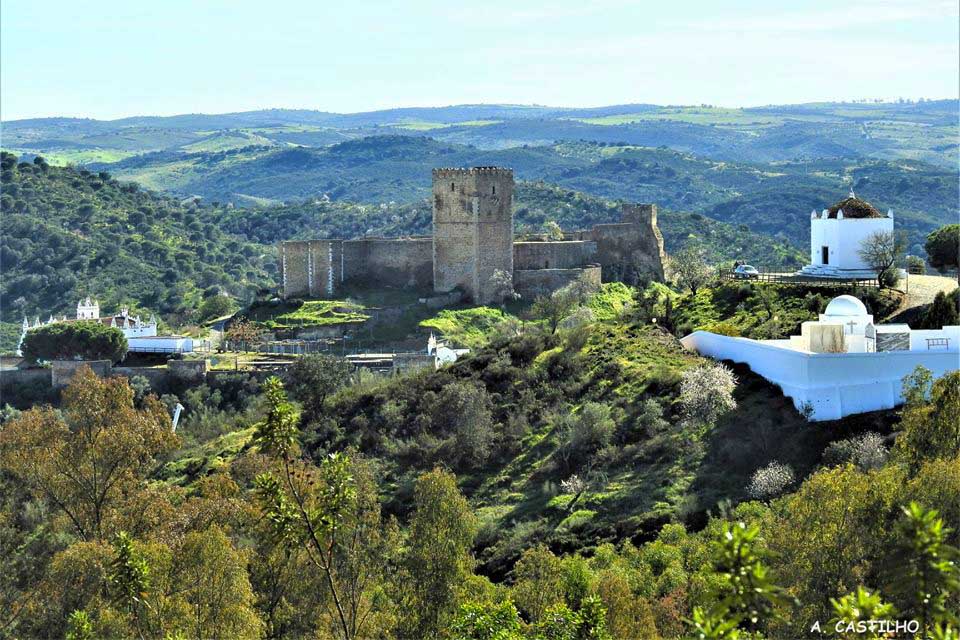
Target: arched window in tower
(453,187)
(494,189)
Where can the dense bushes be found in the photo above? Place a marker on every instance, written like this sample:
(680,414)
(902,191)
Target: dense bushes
(68,234)
(82,340)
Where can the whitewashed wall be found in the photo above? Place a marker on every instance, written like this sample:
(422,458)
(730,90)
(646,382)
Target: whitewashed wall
(835,384)
(844,238)
(161,344)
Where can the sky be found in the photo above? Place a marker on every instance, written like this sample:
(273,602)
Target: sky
(108,59)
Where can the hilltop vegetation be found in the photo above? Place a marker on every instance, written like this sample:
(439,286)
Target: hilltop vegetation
(593,482)
(70,233)
(774,199)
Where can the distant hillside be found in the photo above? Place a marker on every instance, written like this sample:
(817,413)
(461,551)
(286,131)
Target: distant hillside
(69,233)
(915,131)
(768,198)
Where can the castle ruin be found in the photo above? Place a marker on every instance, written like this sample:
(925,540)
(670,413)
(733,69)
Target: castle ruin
(472,239)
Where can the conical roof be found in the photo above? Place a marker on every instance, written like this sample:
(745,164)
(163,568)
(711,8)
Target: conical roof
(854,207)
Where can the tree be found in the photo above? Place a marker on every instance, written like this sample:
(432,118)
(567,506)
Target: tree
(464,409)
(538,582)
(771,481)
(313,378)
(561,303)
(746,595)
(93,455)
(211,576)
(925,574)
(584,433)
(867,451)
(501,286)
(552,230)
(943,248)
(216,307)
(690,268)
(943,311)
(859,606)
(706,392)
(930,419)
(827,532)
(438,559)
(244,331)
(881,251)
(483,621)
(331,512)
(83,340)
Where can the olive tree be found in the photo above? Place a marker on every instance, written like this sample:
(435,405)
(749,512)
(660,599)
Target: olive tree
(882,250)
(690,269)
(943,247)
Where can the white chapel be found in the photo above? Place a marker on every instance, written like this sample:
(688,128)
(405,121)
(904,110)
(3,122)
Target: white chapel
(837,234)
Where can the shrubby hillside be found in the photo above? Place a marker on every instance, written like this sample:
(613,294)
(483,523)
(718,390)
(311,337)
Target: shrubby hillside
(586,478)
(69,233)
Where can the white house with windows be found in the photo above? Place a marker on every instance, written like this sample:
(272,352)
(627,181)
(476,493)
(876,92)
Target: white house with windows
(837,234)
(841,364)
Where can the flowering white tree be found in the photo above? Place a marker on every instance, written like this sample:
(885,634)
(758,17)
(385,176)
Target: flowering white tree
(706,392)
(770,481)
(501,286)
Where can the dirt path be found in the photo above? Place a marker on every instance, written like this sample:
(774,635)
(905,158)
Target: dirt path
(924,288)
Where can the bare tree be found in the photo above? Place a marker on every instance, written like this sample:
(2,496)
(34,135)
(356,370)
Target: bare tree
(690,268)
(881,250)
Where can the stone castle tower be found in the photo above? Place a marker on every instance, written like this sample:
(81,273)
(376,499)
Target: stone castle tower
(472,229)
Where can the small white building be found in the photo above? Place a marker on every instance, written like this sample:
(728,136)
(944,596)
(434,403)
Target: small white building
(837,234)
(841,364)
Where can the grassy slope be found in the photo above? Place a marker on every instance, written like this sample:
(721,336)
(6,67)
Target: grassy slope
(648,478)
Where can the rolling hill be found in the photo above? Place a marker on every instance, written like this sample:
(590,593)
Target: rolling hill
(775,199)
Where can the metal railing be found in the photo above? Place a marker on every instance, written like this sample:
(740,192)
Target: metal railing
(778,276)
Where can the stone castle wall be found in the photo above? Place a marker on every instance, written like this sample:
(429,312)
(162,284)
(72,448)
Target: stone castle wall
(632,247)
(293,268)
(394,262)
(531,283)
(472,229)
(472,239)
(566,254)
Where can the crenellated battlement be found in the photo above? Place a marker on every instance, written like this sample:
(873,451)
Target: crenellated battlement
(444,172)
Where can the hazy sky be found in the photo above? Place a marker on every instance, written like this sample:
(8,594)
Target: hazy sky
(108,59)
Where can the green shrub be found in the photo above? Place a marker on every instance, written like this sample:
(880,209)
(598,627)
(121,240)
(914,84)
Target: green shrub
(83,340)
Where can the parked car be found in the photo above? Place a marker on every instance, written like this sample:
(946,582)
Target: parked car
(745,272)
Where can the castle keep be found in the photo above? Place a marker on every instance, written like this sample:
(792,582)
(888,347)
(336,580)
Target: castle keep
(472,239)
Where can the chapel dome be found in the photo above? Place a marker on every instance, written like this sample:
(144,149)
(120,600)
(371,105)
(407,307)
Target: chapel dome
(845,305)
(854,207)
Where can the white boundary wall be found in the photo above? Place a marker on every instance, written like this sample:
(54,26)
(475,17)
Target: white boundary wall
(835,384)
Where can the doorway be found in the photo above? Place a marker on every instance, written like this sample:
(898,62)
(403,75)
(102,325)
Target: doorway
(824,255)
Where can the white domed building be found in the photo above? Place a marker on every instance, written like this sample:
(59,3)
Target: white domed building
(837,234)
(842,363)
